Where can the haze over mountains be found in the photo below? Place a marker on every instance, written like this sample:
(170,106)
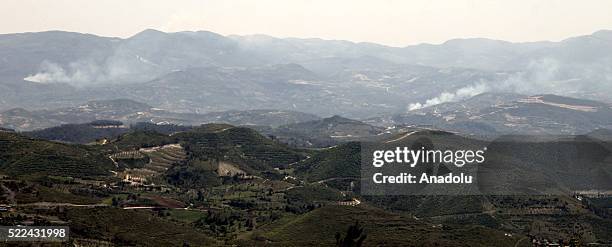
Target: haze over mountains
(115,127)
(497,113)
(210,72)
(132,112)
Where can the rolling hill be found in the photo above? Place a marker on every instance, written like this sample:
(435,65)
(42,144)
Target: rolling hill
(494,114)
(381,228)
(240,146)
(81,133)
(24,156)
(322,133)
(133,112)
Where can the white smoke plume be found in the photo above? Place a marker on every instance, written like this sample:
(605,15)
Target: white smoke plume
(50,72)
(462,93)
(79,73)
(542,76)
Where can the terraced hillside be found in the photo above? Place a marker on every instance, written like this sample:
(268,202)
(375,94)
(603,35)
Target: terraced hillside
(336,162)
(243,147)
(20,155)
(160,159)
(318,228)
(560,163)
(188,186)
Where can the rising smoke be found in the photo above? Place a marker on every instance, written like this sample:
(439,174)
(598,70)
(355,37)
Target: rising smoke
(542,76)
(87,71)
(81,72)
(462,93)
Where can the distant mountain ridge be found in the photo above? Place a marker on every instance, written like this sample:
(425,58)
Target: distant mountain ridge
(211,72)
(211,49)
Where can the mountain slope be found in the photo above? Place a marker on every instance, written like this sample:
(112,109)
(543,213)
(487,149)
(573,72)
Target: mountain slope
(381,227)
(80,133)
(342,161)
(23,156)
(324,132)
(490,114)
(240,146)
(210,89)
(356,79)
(131,112)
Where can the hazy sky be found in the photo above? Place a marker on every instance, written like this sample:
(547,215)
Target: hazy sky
(392,22)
